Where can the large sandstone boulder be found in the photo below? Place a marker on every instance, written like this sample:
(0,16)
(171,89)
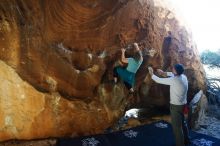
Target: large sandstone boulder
(27,113)
(57,59)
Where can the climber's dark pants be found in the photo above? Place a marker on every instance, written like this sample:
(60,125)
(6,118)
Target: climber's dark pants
(179,125)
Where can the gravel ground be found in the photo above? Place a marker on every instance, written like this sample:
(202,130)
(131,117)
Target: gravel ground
(210,125)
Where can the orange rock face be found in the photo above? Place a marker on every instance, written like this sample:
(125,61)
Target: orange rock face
(57,59)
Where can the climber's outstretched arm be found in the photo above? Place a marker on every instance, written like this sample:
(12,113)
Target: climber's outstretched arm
(138,49)
(123,59)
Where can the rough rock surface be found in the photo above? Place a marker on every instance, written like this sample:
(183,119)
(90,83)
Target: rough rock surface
(57,59)
(27,113)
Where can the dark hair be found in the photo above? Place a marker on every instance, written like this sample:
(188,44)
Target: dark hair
(169,32)
(179,68)
(137,55)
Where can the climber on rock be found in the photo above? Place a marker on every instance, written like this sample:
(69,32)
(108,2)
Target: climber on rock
(127,75)
(178,98)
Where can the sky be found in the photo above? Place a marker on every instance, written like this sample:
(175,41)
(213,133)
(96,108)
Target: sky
(203,17)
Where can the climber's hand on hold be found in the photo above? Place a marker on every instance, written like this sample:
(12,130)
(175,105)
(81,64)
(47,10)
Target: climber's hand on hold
(122,50)
(136,46)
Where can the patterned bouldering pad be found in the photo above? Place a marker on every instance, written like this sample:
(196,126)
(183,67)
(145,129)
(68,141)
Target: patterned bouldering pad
(155,134)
